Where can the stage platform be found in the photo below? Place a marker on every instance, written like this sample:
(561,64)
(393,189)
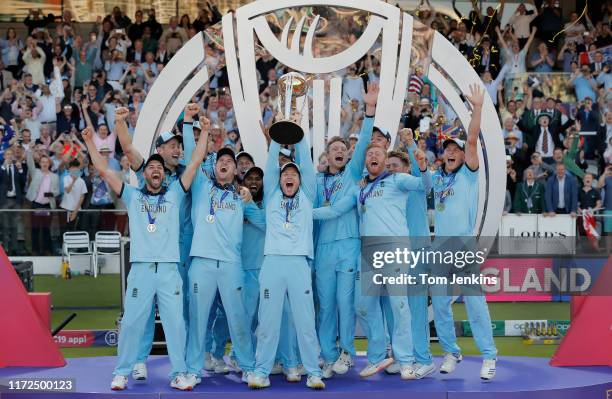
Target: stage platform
(517,377)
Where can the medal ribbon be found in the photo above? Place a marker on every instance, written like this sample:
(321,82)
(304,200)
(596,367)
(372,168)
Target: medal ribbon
(289,205)
(212,198)
(329,191)
(363,196)
(447,186)
(154,216)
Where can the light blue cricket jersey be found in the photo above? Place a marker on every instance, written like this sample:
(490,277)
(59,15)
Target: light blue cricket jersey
(162,245)
(416,206)
(186,227)
(460,205)
(253,241)
(384,210)
(339,186)
(297,238)
(222,239)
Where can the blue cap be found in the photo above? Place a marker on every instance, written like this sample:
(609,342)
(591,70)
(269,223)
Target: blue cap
(164,137)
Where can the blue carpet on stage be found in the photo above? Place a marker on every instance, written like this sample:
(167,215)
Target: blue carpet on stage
(517,377)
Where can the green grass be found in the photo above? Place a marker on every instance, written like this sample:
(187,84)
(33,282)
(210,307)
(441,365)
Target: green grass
(97,301)
(81,291)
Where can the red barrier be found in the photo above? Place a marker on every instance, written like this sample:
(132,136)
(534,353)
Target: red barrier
(42,305)
(24,340)
(588,342)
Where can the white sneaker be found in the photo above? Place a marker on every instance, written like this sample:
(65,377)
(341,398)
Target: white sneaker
(292,374)
(393,368)
(208,362)
(196,379)
(450,362)
(487,372)
(314,382)
(234,365)
(219,366)
(419,371)
(119,383)
(277,369)
(406,371)
(245,376)
(343,364)
(301,369)
(372,369)
(258,382)
(139,372)
(182,383)
(327,371)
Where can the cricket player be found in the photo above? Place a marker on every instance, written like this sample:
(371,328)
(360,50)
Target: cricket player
(456,203)
(252,259)
(381,199)
(154,256)
(168,146)
(217,211)
(418,231)
(338,246)
(289,196)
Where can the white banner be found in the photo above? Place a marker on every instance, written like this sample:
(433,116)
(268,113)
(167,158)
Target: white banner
(512,233)
(551,235)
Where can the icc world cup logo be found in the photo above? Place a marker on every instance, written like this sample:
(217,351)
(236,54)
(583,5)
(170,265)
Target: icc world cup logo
(306,42)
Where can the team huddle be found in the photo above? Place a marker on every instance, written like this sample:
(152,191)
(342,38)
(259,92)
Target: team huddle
(224,247)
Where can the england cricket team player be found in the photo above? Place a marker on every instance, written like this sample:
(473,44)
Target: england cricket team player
(338,246)
(381,201)
(154,256)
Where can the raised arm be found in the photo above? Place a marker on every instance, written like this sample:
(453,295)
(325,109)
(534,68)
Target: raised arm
(407,137)
(272,172)
(357,162)
(196,159)
(189,144)
(307,169)
(476,98)
(121,128)
(101,165)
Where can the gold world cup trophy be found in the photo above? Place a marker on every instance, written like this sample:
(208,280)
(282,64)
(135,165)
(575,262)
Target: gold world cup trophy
(291,86)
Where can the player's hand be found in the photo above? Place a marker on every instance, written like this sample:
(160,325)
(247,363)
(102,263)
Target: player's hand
(476,96)
(121,113)
(407,136)
(371,96)
(245,194)
(191,110)
(421,160)
(204,123)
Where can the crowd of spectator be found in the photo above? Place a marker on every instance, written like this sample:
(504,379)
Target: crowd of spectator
(55,82)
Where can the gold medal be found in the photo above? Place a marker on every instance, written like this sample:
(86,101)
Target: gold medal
(440,207)
(286,225)
(151,228)
(210,218)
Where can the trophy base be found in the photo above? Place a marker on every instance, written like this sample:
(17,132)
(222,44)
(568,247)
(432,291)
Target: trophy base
(286,132)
